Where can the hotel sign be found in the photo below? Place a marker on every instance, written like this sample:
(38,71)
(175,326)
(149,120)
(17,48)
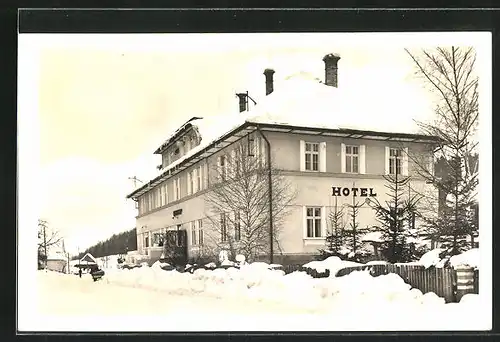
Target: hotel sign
(362,192)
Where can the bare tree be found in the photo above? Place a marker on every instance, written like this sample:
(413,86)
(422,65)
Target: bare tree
(239,217)
(47,238)
(450,75)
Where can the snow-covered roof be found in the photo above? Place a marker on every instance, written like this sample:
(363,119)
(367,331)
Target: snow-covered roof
(301,100)
(175,134)
(88,258)
(210,129)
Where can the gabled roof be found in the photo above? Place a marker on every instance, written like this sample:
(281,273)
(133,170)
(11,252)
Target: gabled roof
(301,104)
(88,258)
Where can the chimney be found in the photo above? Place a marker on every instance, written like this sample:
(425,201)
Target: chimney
(331,76)
(269,81)
(243,101)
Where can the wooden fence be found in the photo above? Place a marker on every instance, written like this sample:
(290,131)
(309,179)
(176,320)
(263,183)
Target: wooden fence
(441,281)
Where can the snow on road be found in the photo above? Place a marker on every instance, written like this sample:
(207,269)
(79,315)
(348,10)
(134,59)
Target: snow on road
(68,303)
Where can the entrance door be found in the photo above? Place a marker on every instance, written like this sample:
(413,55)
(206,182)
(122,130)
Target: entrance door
(176,246)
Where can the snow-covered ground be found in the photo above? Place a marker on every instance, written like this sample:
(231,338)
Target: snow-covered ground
(253,298)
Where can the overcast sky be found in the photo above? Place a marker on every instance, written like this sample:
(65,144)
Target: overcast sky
(99,105)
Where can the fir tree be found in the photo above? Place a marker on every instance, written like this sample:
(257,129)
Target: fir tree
(352,236)
(335,235)
(396,218)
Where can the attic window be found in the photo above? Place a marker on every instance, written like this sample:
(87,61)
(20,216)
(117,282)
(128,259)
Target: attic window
(176,151)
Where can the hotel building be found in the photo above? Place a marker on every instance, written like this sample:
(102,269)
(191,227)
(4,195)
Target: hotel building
(323,160)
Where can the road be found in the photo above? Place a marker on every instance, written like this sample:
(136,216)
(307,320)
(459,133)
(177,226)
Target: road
(67,300)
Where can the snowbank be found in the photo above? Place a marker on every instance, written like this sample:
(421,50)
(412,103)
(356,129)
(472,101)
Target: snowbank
(333,264)
(258,282)
(468,258)
(354,302)
(431,258)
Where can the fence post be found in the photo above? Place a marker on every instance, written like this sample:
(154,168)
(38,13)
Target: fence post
(465,281)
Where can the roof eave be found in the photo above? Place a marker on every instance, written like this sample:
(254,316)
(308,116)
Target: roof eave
(345,132)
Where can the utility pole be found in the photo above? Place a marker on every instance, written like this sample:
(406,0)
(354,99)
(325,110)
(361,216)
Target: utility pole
(67,257)
(45,243)
(135,179)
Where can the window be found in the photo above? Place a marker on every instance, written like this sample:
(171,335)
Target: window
(157,240)
(190,182)
(223,228)
(251,146)
(165,193)
(177,189)
(312,156)
(222,167)
(237,226)
(237,163)
(198,178)
(395,161)
(146,241)
(162,197)
(194,180)
(200,232)
(193,233)
(313,221)
(352,159)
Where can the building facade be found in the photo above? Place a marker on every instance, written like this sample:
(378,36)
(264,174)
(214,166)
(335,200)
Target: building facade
(328,166)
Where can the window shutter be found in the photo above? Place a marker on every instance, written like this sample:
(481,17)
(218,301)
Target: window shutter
(362,159)
(205,179)
(342,158)
(193,233)
(256,149)
(219,170)
(387,154)
(226,167)
(322,157)
(431,164)
(189,184)
(233,163)
(263,152)
(323,222)
(195,180)
(302,155)
(304,221)
(405,162)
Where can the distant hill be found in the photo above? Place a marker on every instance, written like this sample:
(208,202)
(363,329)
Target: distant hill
(116,244)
